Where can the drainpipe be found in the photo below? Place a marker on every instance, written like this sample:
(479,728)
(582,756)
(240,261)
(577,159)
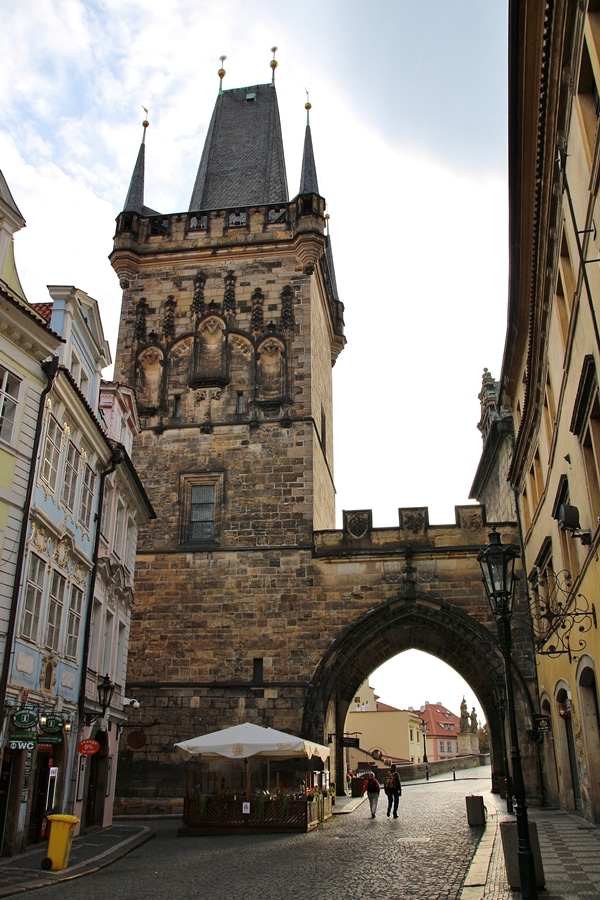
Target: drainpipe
(50,368)
(118,456)
(537,686)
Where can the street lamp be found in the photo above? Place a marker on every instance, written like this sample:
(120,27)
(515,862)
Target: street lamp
(497,563)
(500,700)
(105,692)
(424,730)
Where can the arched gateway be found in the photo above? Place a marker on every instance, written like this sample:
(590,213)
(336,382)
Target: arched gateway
(423,593)
(249,605)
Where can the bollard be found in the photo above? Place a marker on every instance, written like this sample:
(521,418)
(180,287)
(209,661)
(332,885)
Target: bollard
(453,773)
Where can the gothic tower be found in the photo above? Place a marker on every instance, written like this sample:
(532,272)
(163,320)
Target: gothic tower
(230,325)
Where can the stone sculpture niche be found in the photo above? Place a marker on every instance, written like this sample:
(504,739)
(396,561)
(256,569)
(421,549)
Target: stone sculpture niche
(209,358)
(149,368)
(270,371)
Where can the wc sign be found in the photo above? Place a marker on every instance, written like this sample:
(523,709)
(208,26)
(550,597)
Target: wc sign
(21,742)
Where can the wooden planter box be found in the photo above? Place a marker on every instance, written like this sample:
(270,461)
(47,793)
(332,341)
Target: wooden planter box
(215,815)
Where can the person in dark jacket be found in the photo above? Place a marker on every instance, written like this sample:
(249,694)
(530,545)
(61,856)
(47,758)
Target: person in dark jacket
(371,787)
(393,790)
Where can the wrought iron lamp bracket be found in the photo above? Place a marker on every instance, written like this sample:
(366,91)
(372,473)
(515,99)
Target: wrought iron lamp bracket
(560,618)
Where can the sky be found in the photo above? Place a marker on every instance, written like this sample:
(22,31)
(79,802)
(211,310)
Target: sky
(408,124)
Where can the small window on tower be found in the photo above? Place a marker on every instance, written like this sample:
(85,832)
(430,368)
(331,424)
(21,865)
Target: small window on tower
(239,403)
(257,670)
(202,513)
(200,508)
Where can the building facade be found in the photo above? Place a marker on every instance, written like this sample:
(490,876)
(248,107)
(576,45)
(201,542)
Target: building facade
(542,438)
(386,735)
(250,605)
(443,729)
(25,343)
(66,577)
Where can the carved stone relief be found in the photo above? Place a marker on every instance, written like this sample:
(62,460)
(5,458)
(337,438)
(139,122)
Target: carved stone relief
(148,377)
(413,520)
(270,369)
(470,519)
(358,522)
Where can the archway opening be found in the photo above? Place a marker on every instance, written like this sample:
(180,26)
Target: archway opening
(406,623)
(391,719)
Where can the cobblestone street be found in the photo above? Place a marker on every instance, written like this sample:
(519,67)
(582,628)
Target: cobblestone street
(425,853)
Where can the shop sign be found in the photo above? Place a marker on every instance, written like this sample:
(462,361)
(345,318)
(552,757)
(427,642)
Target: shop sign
(51,739)
(542,723)
(25,718)
(88,746)
(53,723)
(350,742)
(21,740)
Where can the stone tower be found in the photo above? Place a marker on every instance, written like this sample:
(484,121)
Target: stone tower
(230,325)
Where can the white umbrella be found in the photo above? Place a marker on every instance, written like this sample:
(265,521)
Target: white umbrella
(243,741)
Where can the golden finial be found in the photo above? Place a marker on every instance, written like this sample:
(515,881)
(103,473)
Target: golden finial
(327,218)
(221,73)
(145,123)
(273,64)
(307,107)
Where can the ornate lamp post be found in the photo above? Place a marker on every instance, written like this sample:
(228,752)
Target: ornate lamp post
(497,563)
(500,698)
(425,760)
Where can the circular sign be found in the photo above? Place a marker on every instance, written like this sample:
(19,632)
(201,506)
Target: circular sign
(53,723)
(25,718)
(88,746)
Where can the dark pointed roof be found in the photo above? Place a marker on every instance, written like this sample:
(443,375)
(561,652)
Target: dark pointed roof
(242,162)
(135,195)
(308,176)
(330,266)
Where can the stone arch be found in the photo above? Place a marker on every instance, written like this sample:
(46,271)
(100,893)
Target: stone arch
(179,361)
(566,757)
(549,755)
(590,735)
(423,623)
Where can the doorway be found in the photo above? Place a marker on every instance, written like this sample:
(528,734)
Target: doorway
(590,724)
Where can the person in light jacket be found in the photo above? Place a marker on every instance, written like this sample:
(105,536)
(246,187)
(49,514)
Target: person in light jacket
(371,787)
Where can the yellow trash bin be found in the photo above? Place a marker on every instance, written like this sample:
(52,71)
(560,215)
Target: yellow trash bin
(59,843)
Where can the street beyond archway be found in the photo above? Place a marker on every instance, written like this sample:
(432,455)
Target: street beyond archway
(425,854)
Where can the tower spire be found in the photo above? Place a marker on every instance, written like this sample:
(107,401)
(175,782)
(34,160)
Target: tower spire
(135,195)
(308,176)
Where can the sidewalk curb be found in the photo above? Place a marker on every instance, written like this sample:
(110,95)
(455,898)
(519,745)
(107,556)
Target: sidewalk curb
(476,879)
(348,807)
(87,867)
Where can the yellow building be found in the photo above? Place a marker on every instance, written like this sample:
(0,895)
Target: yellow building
(384,733)
(541,420)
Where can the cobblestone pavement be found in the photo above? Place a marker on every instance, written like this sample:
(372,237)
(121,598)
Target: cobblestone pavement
(425,853)
(570,851)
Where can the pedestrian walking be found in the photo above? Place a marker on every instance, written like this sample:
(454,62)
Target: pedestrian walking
(393,789)
(372,788)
